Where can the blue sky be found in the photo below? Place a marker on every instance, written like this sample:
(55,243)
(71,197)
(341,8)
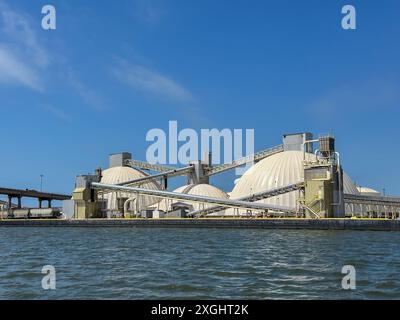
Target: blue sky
(113,70)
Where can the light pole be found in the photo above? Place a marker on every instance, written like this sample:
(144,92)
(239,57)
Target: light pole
(41,182)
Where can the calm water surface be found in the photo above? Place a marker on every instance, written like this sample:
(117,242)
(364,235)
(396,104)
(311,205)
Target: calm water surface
(139,263)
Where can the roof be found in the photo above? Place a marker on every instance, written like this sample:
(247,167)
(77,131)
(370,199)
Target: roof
(116,175)
(204,189)
(368,190)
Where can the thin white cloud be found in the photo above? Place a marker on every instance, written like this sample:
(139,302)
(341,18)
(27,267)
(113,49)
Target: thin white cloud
(87,95)
(18,29)
(55,112)
(149,81)
(367,96)
(14,71)
(22,58)
(148,11)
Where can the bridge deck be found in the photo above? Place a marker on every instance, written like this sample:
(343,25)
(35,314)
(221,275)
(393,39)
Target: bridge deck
(18,193)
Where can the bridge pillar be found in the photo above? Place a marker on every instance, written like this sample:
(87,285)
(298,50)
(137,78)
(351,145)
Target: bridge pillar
(49,203)
(9,202)
(40,203)
(19,202)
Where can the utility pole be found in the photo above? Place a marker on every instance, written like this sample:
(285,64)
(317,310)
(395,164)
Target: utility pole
(41,182)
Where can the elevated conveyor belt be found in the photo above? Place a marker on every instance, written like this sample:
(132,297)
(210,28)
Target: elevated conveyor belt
(148,166)
(242,161)
(254,197)
(209,170)
(165,174)
(195,198)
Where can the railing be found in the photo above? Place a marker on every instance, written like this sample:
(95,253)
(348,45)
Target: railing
(148,166)
(378,200)
(245,160)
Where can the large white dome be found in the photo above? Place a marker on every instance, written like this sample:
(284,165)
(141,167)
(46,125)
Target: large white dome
(279,170)
(116,175)
(206,190)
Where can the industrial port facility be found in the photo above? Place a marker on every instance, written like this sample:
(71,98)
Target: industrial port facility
(302,179)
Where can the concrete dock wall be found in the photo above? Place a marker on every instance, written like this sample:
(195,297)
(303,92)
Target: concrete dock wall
(320,224)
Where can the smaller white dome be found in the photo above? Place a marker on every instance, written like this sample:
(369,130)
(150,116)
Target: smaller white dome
(368,191)
(206,190)
(116,175)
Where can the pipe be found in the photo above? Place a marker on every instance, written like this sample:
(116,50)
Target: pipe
(253,197)
(126,206)
(315,153)
(304,146)
(340,179)
(192,198)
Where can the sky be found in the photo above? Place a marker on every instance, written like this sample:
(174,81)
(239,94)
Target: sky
(113,70)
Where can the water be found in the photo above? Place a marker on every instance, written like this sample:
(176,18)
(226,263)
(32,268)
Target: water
(157,263)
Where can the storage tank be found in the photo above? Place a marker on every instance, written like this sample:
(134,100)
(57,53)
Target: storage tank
(203,189)
(20,213)
(116,199)
(276,171)
(368,192)
(45,213)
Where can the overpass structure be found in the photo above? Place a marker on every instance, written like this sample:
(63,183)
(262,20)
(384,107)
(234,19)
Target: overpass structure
(20,193)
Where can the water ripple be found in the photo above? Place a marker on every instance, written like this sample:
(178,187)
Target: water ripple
(135,263)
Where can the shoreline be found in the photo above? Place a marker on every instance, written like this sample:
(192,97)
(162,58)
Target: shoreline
(259,223)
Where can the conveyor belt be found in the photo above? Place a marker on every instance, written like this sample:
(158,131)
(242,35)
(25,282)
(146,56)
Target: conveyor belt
(254,197)
(148,166)
(242,161)
(171,173)
(211,170)
(195,198)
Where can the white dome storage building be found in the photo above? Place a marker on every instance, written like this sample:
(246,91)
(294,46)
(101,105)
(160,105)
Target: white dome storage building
(368,191)
(206,190)
(116,199)
(276,171)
